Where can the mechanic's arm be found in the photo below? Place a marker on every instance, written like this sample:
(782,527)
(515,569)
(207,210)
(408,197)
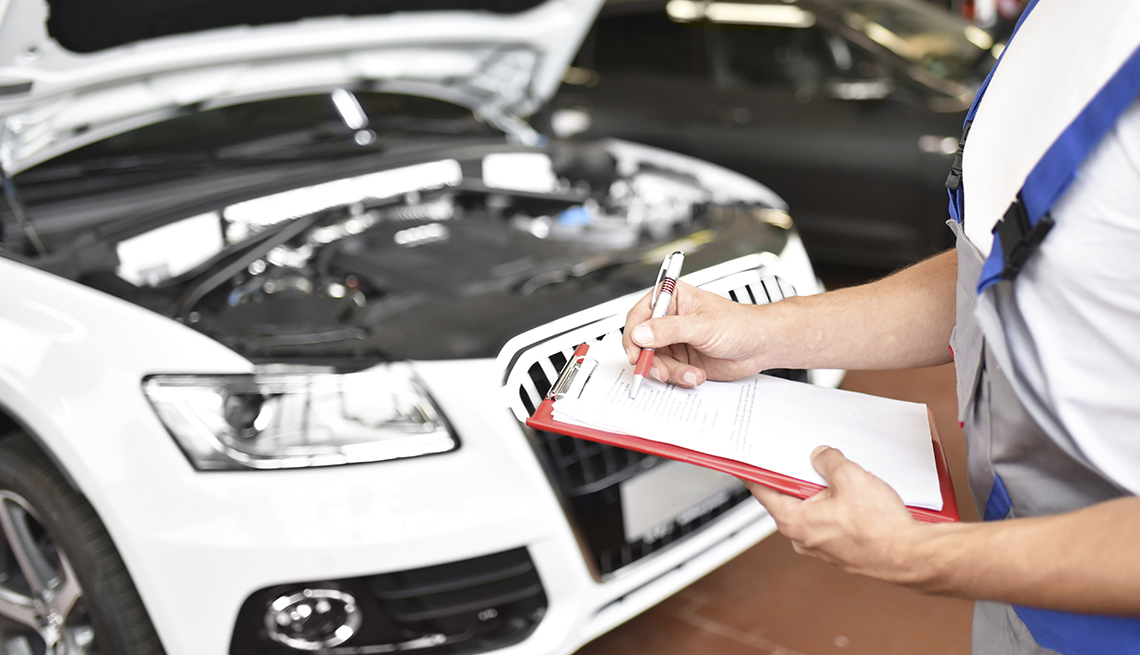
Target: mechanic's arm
(901,321)
(1082,561)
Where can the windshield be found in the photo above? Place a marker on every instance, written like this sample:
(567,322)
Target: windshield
(944,45)
(339,123)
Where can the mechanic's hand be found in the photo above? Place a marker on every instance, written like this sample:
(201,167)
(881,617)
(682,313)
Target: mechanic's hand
(858,522)
(704,337)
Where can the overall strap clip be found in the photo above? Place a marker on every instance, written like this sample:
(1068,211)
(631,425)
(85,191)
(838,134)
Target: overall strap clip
(954,179)
(1019,239)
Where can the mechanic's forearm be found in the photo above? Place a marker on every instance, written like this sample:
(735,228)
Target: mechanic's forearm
(901,321)
(1083,561)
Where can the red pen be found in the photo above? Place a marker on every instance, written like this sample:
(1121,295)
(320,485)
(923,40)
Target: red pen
(662,295)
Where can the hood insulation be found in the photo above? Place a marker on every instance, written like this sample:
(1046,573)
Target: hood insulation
(86,26)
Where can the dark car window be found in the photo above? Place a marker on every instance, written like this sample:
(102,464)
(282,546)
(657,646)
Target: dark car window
(644,43)
(289,122)
(802,60)
(771,56)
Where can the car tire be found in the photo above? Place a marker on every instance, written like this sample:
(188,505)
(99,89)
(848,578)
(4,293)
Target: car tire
(61,578)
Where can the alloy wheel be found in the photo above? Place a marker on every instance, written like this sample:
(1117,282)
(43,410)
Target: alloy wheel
(41,601)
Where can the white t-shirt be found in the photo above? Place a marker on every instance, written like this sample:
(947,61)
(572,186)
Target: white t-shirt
(1080,295)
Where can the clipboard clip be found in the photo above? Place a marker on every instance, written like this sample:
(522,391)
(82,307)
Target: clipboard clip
(579,366)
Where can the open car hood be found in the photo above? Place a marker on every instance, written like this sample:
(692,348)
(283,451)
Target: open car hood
(60,88)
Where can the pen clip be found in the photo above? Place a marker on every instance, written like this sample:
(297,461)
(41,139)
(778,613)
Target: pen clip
(660,277)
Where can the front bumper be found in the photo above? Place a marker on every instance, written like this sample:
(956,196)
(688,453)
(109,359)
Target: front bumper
(199,544)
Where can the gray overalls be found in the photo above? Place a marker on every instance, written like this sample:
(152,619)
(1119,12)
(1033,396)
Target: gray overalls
(1017,469)
(1022,462)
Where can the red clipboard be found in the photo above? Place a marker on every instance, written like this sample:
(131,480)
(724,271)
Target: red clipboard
(543,419)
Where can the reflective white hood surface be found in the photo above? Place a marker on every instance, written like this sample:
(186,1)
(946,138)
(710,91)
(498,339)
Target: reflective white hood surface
(502,59)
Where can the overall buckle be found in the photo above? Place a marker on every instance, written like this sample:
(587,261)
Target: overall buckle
(954,179)
(1019,239)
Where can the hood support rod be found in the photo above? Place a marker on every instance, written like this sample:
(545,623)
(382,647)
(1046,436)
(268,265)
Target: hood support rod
(17,206)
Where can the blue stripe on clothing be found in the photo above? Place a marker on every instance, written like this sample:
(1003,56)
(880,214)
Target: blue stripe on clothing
(993,266)
(1082,634)
(957,196)
(986,82)
(1049,180)
(1066,632)
(998,504)
(1051,177)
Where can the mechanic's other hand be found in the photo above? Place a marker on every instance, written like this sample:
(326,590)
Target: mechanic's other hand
(858,522)
(704,337)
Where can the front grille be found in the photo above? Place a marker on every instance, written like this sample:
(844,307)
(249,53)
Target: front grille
(583,467)
(469,606)
(587,474)
(618,556)
(578,466)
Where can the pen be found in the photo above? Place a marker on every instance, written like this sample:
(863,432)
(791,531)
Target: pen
(662,296)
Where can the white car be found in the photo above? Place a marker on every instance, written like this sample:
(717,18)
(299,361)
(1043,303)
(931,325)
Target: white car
(257,262)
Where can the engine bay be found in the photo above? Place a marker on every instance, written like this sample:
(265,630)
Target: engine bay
(446,258)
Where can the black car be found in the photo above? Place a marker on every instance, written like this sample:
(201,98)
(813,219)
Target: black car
(849,109)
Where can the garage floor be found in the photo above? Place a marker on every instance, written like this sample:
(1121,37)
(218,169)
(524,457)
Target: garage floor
(770,600)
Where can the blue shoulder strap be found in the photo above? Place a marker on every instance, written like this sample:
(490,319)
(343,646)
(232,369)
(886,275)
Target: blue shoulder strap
(1027,221)
(954,181)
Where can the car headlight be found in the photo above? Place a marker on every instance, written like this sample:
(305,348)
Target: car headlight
(278,419)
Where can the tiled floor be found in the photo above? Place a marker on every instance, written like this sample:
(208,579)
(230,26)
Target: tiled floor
(770,600)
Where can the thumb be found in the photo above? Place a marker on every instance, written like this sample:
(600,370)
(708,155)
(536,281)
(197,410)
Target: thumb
(669,330)
(833,465)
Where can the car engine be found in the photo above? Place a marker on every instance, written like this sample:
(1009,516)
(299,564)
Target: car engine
(443,258)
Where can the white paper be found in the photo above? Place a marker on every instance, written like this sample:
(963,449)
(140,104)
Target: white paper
(763,421)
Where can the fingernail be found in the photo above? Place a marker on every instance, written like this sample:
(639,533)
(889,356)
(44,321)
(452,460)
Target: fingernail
(642,334)
(819,450)
(655,373)
(690,378)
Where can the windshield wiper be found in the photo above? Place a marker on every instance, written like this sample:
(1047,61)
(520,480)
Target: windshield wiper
(321,140)
(137,163)
(175,162)
(273,146)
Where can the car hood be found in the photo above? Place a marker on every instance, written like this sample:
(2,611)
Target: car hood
(65,81)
